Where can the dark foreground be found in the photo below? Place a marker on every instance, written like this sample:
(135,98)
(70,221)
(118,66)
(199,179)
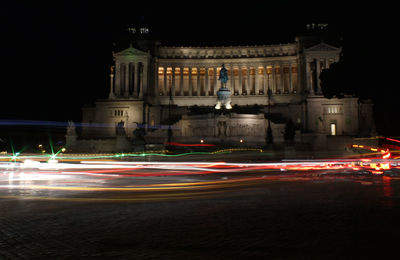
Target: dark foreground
(319,217)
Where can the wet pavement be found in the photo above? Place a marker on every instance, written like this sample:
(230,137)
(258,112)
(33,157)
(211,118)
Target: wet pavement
(257,215)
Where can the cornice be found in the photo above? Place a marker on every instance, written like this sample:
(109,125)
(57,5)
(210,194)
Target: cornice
(231,52)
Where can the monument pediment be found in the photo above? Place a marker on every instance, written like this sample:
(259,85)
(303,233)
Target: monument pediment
(322,47)
(131,52)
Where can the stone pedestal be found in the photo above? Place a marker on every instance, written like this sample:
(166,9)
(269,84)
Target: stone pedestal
(122,144)
(223,98)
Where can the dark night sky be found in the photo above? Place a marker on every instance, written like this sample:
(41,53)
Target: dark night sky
(55,55)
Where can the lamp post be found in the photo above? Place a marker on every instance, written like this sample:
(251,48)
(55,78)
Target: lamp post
(270,139)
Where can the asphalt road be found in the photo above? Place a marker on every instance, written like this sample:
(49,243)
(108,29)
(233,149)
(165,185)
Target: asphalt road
(190,212)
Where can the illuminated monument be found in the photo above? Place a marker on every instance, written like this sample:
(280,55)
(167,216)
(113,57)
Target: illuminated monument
(223,94)
(155,88)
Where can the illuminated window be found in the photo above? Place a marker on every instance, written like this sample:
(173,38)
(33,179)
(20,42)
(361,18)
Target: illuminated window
(333,129)
(332,110)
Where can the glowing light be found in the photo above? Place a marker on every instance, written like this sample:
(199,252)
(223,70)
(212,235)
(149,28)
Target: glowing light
(30,164)
(394,140)
(180,144)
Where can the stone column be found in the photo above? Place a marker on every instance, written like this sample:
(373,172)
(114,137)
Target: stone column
(136,79)
(273,83)
(265,79)
(126,81)
(256,87)
(317,79)
(181,83)
(290,79)
(198,87)
(111,95)
(207,83)
(143,90)
(121,79)
(173,82)
(117,78)
(141,79)
(232,84)
(155,71)
(240,81)
(215,82)
(309,75)
(165,87)
(190,82)
(130,79)
(282,81)
(248,80)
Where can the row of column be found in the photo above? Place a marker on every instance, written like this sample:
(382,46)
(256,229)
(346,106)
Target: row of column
(130,79)
(314,67)
(280,79)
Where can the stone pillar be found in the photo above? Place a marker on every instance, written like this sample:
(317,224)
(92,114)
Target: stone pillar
(265,79)
(157,92)
(130,77)
(215,82)
(173,82)
(141,79)
(126,80)
(117,78)
(165,87)
(121,79)
(207,83)
(111,95)
(256,87)
(145,80)
(309,75)
(136,79)
(198,87)
(317,79)
(240,81)
(190,82)
(232,83)
(290,79)
(273,85)
(181,83)
(282,81)
(248,80)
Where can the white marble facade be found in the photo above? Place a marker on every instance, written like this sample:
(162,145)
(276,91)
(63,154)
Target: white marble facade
(144,84)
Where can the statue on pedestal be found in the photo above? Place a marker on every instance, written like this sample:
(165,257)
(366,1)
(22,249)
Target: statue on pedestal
(120,130)
(223,76)
(71,129)
(223,94)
